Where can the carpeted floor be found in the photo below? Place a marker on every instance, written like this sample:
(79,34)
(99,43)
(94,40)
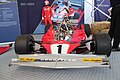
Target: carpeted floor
(33,73)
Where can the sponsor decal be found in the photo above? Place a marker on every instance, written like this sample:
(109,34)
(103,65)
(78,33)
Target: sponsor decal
(92,60)
(45,60)
(27,59)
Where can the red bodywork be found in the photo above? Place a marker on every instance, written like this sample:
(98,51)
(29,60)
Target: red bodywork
(49,39)
(3,49)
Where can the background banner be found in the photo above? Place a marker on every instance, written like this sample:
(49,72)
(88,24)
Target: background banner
(9,21)
(76,4)
(30,14)
(103,5)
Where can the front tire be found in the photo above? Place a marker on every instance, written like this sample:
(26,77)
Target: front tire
(24,44)
(102,44)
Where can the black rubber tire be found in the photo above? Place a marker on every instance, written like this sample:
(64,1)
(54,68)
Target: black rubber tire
(47,28)
(87,29)
(24,44)
(102,44)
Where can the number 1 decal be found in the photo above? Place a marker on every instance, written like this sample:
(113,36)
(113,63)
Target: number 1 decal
(59,48)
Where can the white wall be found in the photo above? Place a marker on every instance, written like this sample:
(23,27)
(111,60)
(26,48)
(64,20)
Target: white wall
(89,15)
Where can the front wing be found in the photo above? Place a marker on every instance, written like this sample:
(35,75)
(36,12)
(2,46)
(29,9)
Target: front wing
(61,60)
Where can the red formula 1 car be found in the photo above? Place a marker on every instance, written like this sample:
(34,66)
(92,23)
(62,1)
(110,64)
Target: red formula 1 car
(63,46)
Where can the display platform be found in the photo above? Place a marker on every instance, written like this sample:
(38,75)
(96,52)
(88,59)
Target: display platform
(35,73)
